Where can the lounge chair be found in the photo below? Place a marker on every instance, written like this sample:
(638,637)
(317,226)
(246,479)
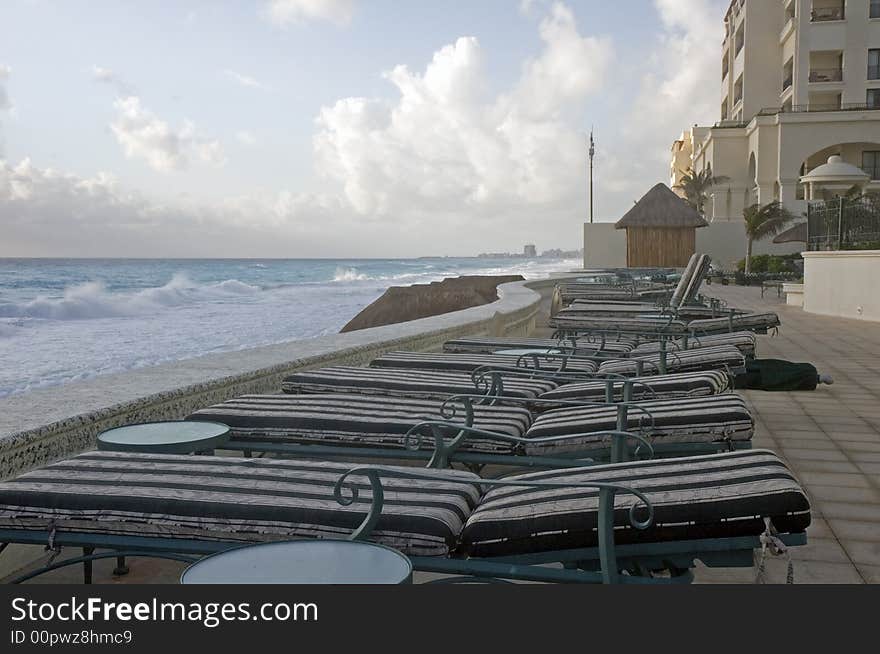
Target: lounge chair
(716,509)
(746,342)
(412,383)
(587,345)
(718,357)
(575,325)
(683,384)
(472,362)
(672,426)
(462,430)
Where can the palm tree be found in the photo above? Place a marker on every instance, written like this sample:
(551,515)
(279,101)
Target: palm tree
(696,187)
(763,222)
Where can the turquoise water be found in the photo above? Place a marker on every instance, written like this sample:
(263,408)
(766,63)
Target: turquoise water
(67,319)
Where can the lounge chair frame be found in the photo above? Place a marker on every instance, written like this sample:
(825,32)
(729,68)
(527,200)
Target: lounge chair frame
(607,563)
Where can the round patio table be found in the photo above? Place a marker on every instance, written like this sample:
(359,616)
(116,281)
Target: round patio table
(180,437)
(303,562)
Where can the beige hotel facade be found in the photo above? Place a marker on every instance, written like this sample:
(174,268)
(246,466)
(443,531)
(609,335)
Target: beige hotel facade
(800,82)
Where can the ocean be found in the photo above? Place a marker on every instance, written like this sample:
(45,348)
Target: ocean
(63,320)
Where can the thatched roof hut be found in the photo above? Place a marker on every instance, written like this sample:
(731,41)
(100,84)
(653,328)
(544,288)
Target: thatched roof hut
(660,230)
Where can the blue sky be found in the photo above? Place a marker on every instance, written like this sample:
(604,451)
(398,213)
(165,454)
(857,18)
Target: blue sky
(277,128)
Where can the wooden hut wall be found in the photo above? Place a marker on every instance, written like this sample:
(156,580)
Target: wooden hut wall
(655,247)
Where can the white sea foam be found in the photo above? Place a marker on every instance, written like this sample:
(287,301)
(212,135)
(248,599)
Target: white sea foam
(93,300)
(349,275)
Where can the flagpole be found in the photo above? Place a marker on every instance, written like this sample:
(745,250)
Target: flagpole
(592,154)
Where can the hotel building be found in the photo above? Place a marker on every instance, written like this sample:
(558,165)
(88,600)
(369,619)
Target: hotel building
(800,82)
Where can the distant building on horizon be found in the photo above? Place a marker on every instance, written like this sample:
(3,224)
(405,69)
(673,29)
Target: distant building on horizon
(530,252)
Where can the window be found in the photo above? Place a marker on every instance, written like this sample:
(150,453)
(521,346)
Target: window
(873,98)
(874,64)
(875,9)
(871,163)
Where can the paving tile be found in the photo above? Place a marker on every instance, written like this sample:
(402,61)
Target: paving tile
(807,457)
(811,478)
(864,552)
(824,493)
(870,573)
(849,530)
(832,510)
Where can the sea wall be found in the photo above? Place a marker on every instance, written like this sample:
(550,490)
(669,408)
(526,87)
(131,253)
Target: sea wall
(403,303)
(48,424)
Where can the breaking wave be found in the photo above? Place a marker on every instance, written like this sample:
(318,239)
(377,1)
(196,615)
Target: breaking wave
(93,300)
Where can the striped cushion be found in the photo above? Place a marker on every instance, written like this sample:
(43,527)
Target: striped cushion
(692,288)
(232,499)
(694,384)
(687,274)
(704,358)
(745,341)
(757,322)
(625,325)
(470,362)
(710,419)
(489,344)
(403,383)
(351,419)
(716,496)
(587,309)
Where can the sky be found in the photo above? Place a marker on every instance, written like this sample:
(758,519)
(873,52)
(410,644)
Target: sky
(338,128)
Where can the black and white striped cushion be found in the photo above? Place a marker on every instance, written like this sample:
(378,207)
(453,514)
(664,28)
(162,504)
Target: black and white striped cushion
(687,274)
(715,496)
(403,383)
(624,325)
(758,322)
(488,345)
(745,341)
(710,419)
(232,500)
(692,287)
(705,358)
(693,384)
(354,420)
(470,362)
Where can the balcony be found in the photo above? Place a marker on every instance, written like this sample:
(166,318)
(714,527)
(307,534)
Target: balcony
(826,14)
(821,75)
(786,83)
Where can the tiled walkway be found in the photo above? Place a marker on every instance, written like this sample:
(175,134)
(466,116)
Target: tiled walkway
(831,438)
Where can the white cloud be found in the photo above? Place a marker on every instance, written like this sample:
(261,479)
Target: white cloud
(143,135)
(244,80)
(286,12)
(447,147)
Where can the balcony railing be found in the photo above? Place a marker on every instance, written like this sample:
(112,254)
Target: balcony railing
(823,14)
(873,72)
(809,108)
(826,75)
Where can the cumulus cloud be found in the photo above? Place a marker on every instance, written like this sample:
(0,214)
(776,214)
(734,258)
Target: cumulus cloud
(244,80)
(446,146)
(286,12)
(143,135)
